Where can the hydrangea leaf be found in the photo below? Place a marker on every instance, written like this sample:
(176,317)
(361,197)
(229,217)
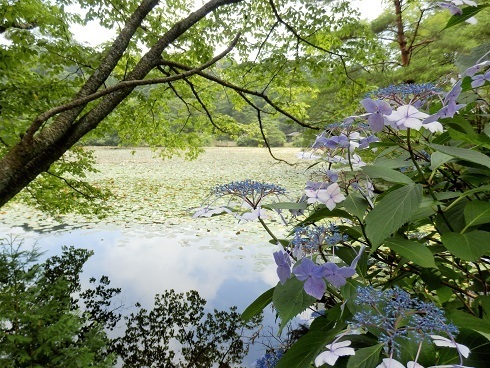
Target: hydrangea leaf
(307,348)
(387,174)
(391,212)
(413,251)
(468,12)
(477,213)
(258,305)
(469,246)
(356,205)
(290,300)
(464,154)
(365,357)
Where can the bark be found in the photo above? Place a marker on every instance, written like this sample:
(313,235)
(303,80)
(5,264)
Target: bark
(43,145)
(400,35)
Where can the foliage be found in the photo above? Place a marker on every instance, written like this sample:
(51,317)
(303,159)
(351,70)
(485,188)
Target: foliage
(177,333)
(41,323)
(392,255)
(49,320)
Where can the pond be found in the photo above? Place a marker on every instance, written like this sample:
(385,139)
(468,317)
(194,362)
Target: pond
(153,245)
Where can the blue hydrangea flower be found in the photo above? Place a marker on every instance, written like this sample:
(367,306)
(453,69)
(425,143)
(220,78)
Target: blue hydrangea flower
(480,79)
(283,262)
(376,110)
(312,275)
(335,275)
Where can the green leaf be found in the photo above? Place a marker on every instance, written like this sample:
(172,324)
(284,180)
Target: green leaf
(468,12)
(290,300)
(466,320)
(464,154)
(477,213)
(438,158)
(469,246)
(258,305)
(307,348)
(322,213)
(365,357)
(413,251)
(387,174)
(356,205)
(391,212)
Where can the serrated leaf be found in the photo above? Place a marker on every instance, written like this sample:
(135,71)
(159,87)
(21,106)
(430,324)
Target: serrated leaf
(391,212)
(477,213)
(365,357)
(469,246)
(290,300)
(468,12)
(258,305)
(466,320)
(322,213)
(438,158)
(413,251)
(387,174)
(307,348)
(464,154)
(356,205)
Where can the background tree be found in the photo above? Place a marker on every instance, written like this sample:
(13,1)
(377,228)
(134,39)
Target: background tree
(154,83)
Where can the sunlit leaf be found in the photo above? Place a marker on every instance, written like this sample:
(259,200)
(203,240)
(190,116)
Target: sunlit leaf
(412,250)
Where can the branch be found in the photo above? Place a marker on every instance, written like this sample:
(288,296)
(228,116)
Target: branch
(27,26)
(40,119)
(242,90)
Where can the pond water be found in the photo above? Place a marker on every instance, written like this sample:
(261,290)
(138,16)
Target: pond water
(226,269)
(151,243)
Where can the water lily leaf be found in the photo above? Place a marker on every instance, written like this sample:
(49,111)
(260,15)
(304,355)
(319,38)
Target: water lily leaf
(469,246)
(286,206)
(391,212)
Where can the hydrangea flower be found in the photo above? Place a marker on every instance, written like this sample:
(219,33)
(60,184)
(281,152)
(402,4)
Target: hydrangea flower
(480,79)
(283,262)
(443,341)
(312,275)
(406,116)
(335,275)
(392,363)
(376,110)
(329,196)
(333,353)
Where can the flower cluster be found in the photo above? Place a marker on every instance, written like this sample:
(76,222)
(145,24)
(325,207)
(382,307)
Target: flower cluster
(315,275)
(310,239)
(251,194)
(394,315)
(398,316)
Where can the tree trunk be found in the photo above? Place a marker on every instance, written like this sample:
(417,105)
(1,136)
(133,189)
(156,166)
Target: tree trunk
(401,38)
(40,147)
